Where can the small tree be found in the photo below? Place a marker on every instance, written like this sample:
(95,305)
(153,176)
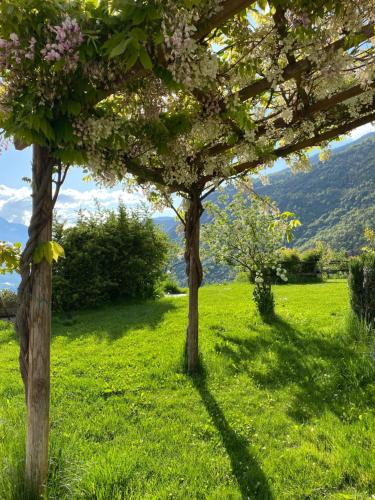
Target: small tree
(249,237)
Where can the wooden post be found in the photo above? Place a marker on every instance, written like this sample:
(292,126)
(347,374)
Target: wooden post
(38,376)
(194,274)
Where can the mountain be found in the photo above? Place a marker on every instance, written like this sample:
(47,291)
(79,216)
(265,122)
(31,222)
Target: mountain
(335,200)
(12,232)
(169,226)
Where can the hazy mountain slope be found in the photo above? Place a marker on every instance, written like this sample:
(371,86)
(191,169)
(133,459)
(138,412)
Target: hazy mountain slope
(12,232)
(334,201)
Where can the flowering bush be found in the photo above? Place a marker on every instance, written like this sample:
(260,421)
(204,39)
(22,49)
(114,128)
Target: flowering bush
(248,235)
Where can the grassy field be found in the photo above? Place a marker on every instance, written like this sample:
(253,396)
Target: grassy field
(280,411)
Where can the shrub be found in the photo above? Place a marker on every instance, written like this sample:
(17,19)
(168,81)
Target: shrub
(109,256)
(362,287)
(243,277)
(8,301)
(170,286)
(8,298)
(290,260)
(300,267)
(310,261)
(264,300)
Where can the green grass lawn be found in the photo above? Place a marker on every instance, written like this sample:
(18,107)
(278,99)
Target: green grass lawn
(282,410)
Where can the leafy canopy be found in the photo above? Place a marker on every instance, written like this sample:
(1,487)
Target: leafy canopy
(184,94)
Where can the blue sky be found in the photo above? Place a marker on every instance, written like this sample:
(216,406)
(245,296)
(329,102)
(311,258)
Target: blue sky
(15,202)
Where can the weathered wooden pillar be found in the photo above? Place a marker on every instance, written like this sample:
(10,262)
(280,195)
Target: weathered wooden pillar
(194,274)
(34,325)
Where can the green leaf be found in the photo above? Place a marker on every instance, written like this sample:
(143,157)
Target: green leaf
(262,4)
(158,38)
(49,250)
(295,223)
(120,48)
(145,58)
(9,257)
(286,215)
(139,34)
(113,41)
(138,16)
(64,130)
(47,129)
(131,59)
(153,13)
(74,108)
(70,156)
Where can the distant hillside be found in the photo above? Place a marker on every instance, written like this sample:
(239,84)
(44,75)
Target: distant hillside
(334,201)
(12,232)
(169,226)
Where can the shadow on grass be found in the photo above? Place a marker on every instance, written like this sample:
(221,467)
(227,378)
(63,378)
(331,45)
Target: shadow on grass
(249,475)
(324,373)
(112,322)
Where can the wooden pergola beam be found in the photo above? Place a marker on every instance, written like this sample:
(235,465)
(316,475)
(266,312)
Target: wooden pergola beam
(297,69)
(228,9)
(306,143)
(319,106)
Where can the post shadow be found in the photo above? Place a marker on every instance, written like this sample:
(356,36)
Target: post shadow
(251,479)
(116,320)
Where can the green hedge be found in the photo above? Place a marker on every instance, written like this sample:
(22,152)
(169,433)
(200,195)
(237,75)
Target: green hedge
(108,256)
(301,267)
(362,287)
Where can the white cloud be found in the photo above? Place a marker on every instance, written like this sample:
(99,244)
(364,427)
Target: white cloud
(365,129)
(15,204)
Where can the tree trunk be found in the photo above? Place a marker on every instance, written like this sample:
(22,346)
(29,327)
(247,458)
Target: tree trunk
(34,325)
(194,274)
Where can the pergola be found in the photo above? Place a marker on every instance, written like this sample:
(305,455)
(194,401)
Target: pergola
(179,96)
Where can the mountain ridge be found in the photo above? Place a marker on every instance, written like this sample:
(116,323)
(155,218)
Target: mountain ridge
(335,200)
